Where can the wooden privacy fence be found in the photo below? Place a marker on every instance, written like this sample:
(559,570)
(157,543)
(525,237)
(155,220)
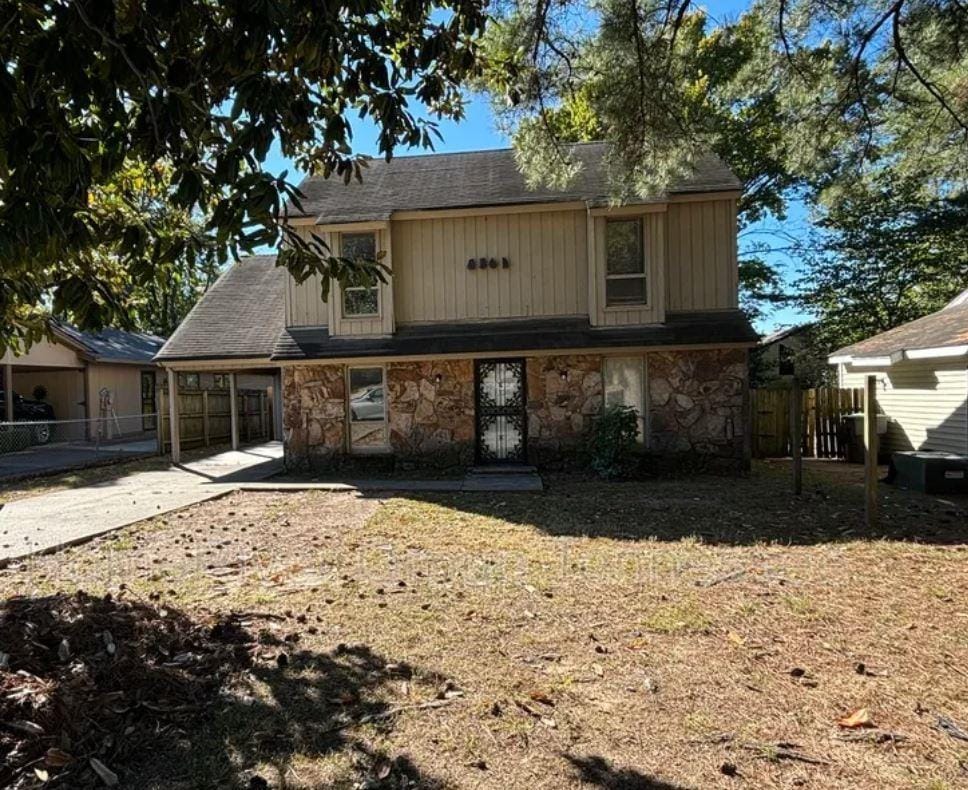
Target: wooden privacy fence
(823,427)
(205,417)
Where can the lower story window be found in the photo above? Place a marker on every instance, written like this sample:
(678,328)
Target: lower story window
(367,409)
(625,386)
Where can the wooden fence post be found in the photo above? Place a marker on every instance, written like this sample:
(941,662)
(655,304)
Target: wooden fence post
(205,417)
(233,412)
(870,451)
(796,435)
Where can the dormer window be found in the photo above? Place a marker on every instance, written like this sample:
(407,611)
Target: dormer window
(360,301)
(624,263)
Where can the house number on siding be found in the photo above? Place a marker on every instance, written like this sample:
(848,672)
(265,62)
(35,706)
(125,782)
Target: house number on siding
(487,263)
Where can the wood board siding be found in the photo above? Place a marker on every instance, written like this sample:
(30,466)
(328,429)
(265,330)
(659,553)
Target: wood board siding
(701,252)
(381,324)
(305,305)
(304,301)
(547,259)
(690,249)
(924,401)
(654,229)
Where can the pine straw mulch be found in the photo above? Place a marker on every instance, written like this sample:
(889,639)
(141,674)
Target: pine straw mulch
(670,634)
(86,680)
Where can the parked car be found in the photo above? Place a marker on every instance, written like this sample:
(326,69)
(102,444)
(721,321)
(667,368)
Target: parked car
(35,411)
(368,404)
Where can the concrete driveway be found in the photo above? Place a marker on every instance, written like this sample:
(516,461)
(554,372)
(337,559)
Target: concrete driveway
(44,459)
(58,519)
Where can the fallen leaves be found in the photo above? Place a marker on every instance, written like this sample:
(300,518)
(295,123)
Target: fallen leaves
(859,718)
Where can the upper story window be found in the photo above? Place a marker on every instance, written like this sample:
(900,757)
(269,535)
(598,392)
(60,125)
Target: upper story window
(360,300)
(624,263)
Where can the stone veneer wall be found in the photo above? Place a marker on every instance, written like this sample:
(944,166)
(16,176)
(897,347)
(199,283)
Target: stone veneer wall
(561,409)
(314,412)
(432,422)
(698,404)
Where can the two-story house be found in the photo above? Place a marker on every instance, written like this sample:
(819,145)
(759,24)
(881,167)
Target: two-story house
(511,317)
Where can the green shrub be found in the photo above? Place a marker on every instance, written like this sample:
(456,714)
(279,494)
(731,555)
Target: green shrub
(610,442)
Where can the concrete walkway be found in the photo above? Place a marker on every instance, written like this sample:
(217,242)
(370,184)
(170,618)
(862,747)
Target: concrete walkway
(61,518)
(494,482)
(47,458)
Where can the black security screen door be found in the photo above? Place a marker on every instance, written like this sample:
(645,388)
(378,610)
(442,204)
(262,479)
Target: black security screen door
(501,417)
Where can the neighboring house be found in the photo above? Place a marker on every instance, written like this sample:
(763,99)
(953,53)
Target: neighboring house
(512,316)
(777,352)
(86,375)
(922,379)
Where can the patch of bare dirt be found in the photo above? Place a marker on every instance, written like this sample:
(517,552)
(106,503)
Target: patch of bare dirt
(667,634)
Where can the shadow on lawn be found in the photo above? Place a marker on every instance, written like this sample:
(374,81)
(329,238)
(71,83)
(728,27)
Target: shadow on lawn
(598,772)
(717,510)
(166,701)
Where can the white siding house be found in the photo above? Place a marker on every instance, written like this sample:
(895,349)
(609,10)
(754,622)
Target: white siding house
(922,379)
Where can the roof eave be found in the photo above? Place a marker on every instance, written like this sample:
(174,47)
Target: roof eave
(886,360)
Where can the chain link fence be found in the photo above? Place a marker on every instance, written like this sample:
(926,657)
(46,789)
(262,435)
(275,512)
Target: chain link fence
(103,433)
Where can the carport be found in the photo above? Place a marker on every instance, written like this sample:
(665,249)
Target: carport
(235,371)
(54,366)
(231,332)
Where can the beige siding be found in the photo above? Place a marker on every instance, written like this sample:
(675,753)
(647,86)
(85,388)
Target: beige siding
(124,383)
(305,305)
(691,259)
(654,228)
(924,401)
(65,390)
(547,252)
(701,250)
(304,302)
(45,353)
(379,325)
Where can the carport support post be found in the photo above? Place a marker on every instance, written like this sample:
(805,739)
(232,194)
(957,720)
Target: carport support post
(870,451)
(796,435)
(234,411)
(8,393)
(173,421)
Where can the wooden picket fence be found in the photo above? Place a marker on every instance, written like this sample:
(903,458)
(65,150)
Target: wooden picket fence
(824,431)
(205,418)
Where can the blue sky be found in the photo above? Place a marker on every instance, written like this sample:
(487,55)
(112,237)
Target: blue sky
(478,131)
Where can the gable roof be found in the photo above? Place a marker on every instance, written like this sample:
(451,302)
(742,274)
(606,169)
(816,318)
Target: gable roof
(471,179)
(940,334)
(239,317)
(110,345)
(783,334)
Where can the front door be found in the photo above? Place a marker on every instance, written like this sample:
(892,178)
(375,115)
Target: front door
(501,416)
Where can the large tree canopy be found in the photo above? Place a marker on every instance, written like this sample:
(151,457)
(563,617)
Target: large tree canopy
(885,252)
(800,97)
(205,88)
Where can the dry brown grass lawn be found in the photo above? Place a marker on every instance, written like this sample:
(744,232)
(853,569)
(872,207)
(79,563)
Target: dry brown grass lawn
(630,635)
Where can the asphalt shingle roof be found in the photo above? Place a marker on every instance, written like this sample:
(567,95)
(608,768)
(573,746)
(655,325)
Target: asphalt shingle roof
(465,180)
(112,345)
(728,326)
(946,327)
(239,317)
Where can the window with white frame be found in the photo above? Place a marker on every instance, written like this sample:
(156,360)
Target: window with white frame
(360,301)
(624,263)
(220,381)
(624,380)
(367,409)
